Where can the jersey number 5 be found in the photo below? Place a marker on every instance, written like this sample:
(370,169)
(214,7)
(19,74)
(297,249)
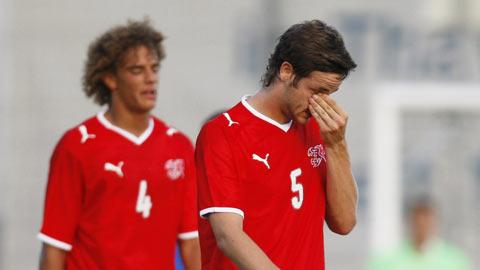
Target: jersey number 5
(144,202)
(296,187)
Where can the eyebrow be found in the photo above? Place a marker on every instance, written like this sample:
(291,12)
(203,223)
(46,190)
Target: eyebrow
(335,90)
(322,89)
(134,66)
(141,66)
(325,87)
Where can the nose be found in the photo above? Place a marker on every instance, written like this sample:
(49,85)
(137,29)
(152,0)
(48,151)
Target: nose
(152,76)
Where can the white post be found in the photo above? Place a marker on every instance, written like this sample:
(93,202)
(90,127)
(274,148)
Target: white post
(388,103)
(385,188)
(6,90)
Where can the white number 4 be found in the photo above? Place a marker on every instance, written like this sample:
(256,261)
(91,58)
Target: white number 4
(296,187)
(144,202)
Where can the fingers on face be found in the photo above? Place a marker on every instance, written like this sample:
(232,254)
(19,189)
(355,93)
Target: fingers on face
(333,104)
(327,109)
(326,122)
(318,117)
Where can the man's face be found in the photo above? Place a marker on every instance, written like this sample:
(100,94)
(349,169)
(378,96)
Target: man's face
(423,224)
(135,81)
(296,97)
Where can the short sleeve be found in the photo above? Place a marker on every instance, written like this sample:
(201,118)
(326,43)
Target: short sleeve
(189,222)
(219,189)
(63,199)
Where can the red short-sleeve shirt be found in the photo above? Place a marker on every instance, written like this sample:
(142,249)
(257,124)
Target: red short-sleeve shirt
(118,201)
(273,175)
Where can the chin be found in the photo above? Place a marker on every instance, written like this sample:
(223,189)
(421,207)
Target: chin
(144,109)
(301,120)
(148,106)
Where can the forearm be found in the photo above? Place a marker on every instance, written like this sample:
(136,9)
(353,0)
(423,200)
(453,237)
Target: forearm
(244,252)
(341,190)
(236,244)
(190,253)
(52,258)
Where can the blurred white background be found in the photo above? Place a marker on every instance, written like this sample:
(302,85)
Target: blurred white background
(217,52)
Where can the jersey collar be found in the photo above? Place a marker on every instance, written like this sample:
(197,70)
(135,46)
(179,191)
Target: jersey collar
(131,137)
(284,127)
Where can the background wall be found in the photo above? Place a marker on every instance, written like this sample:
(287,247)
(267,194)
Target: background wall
(216,52)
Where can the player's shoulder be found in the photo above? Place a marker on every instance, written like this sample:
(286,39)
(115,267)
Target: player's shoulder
(78,135)
(228,122)
(170,133)
(453,252)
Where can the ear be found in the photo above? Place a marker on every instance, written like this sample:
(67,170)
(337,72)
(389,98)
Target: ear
(110,81)
(286,72)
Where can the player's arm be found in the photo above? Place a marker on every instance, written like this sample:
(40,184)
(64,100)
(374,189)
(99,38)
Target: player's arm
(236,244)
(63,205)
(341,189)
(52,258)
(217,174)
(190,253)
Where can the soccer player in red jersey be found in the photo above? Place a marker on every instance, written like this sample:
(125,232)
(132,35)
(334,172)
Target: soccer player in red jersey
(268,173)
(121,189)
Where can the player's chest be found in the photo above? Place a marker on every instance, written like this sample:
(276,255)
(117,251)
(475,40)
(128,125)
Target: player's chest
(270,160)
(122,168)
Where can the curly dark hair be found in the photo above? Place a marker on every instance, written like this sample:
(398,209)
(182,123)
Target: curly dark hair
(107,51)
(309,46)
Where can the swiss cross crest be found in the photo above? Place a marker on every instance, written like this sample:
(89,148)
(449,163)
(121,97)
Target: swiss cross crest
(175,168)
(316,154)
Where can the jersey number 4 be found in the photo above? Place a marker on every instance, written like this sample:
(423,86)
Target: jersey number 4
(296,187)
(144,202)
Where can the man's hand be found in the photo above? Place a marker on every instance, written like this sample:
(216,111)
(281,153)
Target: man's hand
(341,189)
(331,118)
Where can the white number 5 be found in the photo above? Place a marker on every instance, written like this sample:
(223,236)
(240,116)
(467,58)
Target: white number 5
(296,187)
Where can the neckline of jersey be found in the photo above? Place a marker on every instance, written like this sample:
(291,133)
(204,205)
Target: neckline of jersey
(285,127)
(138,140)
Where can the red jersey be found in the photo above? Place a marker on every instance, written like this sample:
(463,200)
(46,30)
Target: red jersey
(273,175)
(118,201)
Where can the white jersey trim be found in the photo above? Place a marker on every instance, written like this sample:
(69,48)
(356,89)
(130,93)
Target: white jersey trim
(188,235)
(284,127)
(221,210)
(54,242)
(136,140)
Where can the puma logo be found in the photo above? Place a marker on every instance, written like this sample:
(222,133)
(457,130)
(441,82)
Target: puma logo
(263,160)
(114,168)
(84,133)
(171,131)
(230,121)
